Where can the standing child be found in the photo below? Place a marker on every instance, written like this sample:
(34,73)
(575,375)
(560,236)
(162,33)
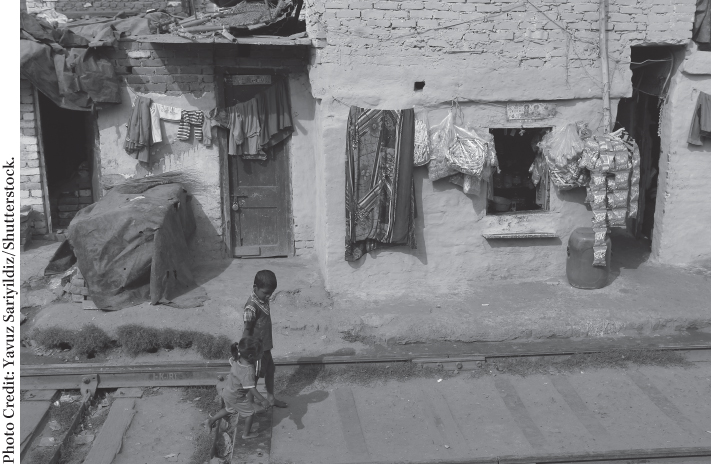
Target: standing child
(241,386)
(258,323)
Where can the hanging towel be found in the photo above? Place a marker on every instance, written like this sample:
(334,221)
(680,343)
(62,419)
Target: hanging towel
(380,188)
(701,120)
(138,135)
(156,135)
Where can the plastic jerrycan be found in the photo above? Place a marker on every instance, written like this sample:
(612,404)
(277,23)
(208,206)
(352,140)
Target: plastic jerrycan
(579,265)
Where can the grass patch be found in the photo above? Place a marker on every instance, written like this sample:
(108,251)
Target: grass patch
(211,347)
(136,339)
(91,340)
(613,359)
(55,337)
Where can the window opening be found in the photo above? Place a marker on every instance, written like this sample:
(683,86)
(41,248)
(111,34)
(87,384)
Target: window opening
(514,189)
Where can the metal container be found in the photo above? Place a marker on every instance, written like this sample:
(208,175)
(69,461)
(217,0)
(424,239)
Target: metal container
(578,266)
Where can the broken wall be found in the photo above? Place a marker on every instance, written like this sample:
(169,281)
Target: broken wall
(484,54)
(31,177)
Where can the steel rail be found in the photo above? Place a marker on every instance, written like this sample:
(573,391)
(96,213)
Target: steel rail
(632,455)
(207,373)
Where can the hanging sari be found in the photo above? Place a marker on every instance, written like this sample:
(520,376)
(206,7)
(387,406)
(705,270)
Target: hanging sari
(380,189)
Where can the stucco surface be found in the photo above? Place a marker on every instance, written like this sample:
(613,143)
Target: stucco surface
(451,252)
(683,214)
(202,163)
(190,156)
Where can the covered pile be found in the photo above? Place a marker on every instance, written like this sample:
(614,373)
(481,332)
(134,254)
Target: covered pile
(131,246)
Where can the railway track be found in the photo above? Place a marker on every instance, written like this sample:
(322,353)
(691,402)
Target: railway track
(43,384)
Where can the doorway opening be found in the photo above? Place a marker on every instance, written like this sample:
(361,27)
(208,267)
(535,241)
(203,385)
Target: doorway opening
(68,141)
(258,185)
(652,68)
(514,187)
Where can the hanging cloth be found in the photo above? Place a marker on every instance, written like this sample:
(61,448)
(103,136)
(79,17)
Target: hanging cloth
(702,22)
(701,120)
(190,119)
(138,135)
(245,128)
(274,109)
(156,135)
(380,189)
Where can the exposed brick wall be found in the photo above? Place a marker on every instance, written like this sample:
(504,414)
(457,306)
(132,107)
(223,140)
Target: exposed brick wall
(173,69)
(31,177)
(495,34)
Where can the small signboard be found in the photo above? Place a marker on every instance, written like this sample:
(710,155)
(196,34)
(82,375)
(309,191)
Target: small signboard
(529,110)
(246,79)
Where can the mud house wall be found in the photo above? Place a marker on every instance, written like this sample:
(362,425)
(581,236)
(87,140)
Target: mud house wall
(683,213)
(183,76)
(370,54)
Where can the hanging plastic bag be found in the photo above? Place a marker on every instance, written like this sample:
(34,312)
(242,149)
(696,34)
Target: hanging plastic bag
(468,152)
(422,137)
(441,137)
(562,145)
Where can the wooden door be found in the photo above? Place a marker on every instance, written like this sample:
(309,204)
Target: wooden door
(259,199)
(259,193)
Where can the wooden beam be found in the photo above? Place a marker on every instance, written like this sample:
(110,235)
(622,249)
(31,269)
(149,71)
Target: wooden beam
(42,164)
(109,441)
(174,39)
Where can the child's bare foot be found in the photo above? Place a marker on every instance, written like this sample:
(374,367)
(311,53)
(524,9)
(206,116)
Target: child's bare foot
(278,403)
(207,425)
(250,435)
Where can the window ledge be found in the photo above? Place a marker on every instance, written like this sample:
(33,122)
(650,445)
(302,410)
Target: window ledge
(516,224)
(520,235)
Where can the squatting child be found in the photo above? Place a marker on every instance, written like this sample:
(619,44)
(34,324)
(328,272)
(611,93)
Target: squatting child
(258,323)
(241,386)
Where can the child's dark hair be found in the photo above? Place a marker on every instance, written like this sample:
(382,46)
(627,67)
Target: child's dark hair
(249,348)
(265,279)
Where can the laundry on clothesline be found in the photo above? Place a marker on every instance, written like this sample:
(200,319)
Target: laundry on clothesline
(190,119)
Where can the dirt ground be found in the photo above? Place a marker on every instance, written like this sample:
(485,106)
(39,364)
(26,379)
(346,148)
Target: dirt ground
(643,298)
(163,425)
(464,416)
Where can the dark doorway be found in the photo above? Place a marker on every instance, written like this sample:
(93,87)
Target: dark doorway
(516,149)
(68,140)
(652,68)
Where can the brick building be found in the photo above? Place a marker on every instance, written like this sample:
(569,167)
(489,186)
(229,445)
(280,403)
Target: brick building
(396,54)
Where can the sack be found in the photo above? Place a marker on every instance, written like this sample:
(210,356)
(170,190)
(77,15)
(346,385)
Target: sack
(468,152)
(441,137)
(422,137)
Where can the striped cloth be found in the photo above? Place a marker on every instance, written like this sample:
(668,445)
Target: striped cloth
(190,119)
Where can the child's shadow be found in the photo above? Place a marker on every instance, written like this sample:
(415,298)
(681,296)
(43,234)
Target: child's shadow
(304,376)
(298,407)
